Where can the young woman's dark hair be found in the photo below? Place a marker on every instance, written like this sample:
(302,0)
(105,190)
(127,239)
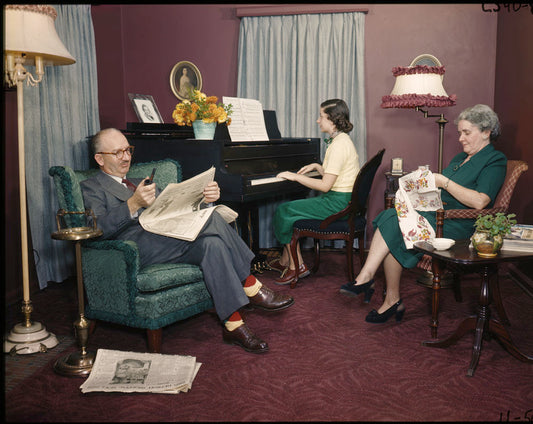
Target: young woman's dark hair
(338,113)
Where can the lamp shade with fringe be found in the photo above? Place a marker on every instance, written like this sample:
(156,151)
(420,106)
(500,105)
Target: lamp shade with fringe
(418,86)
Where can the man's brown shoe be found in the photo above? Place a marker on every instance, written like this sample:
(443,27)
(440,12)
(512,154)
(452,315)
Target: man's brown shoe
(244,337)
(270,300)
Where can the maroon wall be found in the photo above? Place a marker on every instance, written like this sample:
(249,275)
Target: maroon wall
(462,37)
(137,47)
(514,101)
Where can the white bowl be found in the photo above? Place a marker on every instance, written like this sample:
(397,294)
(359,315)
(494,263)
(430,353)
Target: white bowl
(442,243)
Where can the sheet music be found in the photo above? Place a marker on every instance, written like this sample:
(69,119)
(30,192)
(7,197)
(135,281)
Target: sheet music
(247,120)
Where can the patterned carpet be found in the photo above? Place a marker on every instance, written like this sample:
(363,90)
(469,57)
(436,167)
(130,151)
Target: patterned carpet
(19,367)
(325,362)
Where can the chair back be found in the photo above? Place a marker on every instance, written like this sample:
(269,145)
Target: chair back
(363,184)
(501,204)
(67,183)
(514,170)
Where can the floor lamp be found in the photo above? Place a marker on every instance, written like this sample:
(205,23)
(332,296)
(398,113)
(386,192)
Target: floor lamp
(418,86)
(30,38)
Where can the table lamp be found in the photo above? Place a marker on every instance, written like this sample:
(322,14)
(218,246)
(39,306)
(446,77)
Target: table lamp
(30,38)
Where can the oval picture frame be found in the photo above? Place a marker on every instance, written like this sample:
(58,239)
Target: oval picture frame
(183,76)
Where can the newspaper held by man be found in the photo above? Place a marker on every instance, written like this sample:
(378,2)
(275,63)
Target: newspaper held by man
(128,372)
(176,212)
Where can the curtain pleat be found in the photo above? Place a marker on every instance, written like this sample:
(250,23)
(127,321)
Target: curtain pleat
(293,63)
(60,114)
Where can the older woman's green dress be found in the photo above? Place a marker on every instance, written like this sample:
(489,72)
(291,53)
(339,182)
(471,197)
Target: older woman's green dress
(484,172)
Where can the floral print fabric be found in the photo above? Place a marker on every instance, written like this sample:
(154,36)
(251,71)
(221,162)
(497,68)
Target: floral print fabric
(416,192)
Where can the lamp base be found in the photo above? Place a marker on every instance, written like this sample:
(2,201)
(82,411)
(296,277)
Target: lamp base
(76,364)
(23,340)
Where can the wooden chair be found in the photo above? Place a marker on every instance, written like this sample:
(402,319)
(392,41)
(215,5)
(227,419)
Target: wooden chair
(348,224)
(515,168)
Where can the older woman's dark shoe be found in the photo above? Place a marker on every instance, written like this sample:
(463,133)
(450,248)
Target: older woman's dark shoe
(397,309)
(244,337)
(351,289)
(269,300)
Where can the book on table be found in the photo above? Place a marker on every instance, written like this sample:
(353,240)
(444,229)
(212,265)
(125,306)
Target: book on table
(519,239)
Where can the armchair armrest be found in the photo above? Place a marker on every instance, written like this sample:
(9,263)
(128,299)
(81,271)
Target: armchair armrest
(470,213)
(461,214)
(110,269)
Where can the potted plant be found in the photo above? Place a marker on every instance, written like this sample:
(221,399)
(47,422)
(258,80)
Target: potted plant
(202,112)
(490,230)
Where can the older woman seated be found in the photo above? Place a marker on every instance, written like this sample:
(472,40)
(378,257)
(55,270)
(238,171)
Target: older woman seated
(471,180)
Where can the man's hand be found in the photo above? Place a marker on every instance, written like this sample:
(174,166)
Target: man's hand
(143,197)
(211,192)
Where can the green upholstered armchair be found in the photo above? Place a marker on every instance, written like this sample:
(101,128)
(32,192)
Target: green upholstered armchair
(117,289)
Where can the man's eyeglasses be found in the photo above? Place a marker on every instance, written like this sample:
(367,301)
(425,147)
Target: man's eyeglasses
(120,153)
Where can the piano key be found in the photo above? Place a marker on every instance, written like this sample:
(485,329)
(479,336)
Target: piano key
(270,180)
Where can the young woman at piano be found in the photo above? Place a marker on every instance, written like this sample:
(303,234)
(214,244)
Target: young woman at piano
(338,172)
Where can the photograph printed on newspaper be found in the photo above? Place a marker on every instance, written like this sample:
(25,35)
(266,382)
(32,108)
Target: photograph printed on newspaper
(128,372)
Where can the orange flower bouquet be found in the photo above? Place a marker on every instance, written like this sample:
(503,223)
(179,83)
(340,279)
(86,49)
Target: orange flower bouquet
(201,107)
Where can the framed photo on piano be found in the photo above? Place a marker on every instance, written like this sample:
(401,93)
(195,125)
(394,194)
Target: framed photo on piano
(145,108)
(184,77)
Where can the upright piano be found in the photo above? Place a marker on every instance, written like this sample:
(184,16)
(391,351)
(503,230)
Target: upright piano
(245,171)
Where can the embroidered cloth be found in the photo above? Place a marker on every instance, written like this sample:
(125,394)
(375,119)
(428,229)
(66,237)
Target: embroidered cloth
(416,192)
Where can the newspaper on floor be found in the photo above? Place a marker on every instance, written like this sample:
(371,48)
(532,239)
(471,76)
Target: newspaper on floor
(176,212)
(128,372)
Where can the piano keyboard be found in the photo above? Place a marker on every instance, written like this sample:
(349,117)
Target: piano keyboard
(270,180)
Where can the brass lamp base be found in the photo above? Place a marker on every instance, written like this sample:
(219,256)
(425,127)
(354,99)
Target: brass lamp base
(77,364)
(23,340)
(426,280)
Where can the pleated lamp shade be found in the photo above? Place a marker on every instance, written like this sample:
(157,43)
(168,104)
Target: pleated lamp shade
(30,30)
(418,86)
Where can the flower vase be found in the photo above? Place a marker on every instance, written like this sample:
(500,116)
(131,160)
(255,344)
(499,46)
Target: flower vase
(486,244)
(204,131)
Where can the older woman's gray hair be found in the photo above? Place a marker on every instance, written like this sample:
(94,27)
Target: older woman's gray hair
(483,117)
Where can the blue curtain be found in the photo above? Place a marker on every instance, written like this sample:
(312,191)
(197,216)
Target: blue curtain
(60,114)
(293,63)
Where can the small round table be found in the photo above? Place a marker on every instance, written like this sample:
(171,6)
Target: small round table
(78,363)
(481,323)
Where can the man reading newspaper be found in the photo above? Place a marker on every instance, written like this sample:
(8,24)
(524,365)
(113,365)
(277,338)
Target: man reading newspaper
(218,250)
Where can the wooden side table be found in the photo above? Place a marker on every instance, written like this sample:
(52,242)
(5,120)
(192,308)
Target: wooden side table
(481,323)
(78,363)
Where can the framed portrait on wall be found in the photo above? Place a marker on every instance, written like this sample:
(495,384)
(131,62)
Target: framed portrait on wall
(145,108)
(184,77)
